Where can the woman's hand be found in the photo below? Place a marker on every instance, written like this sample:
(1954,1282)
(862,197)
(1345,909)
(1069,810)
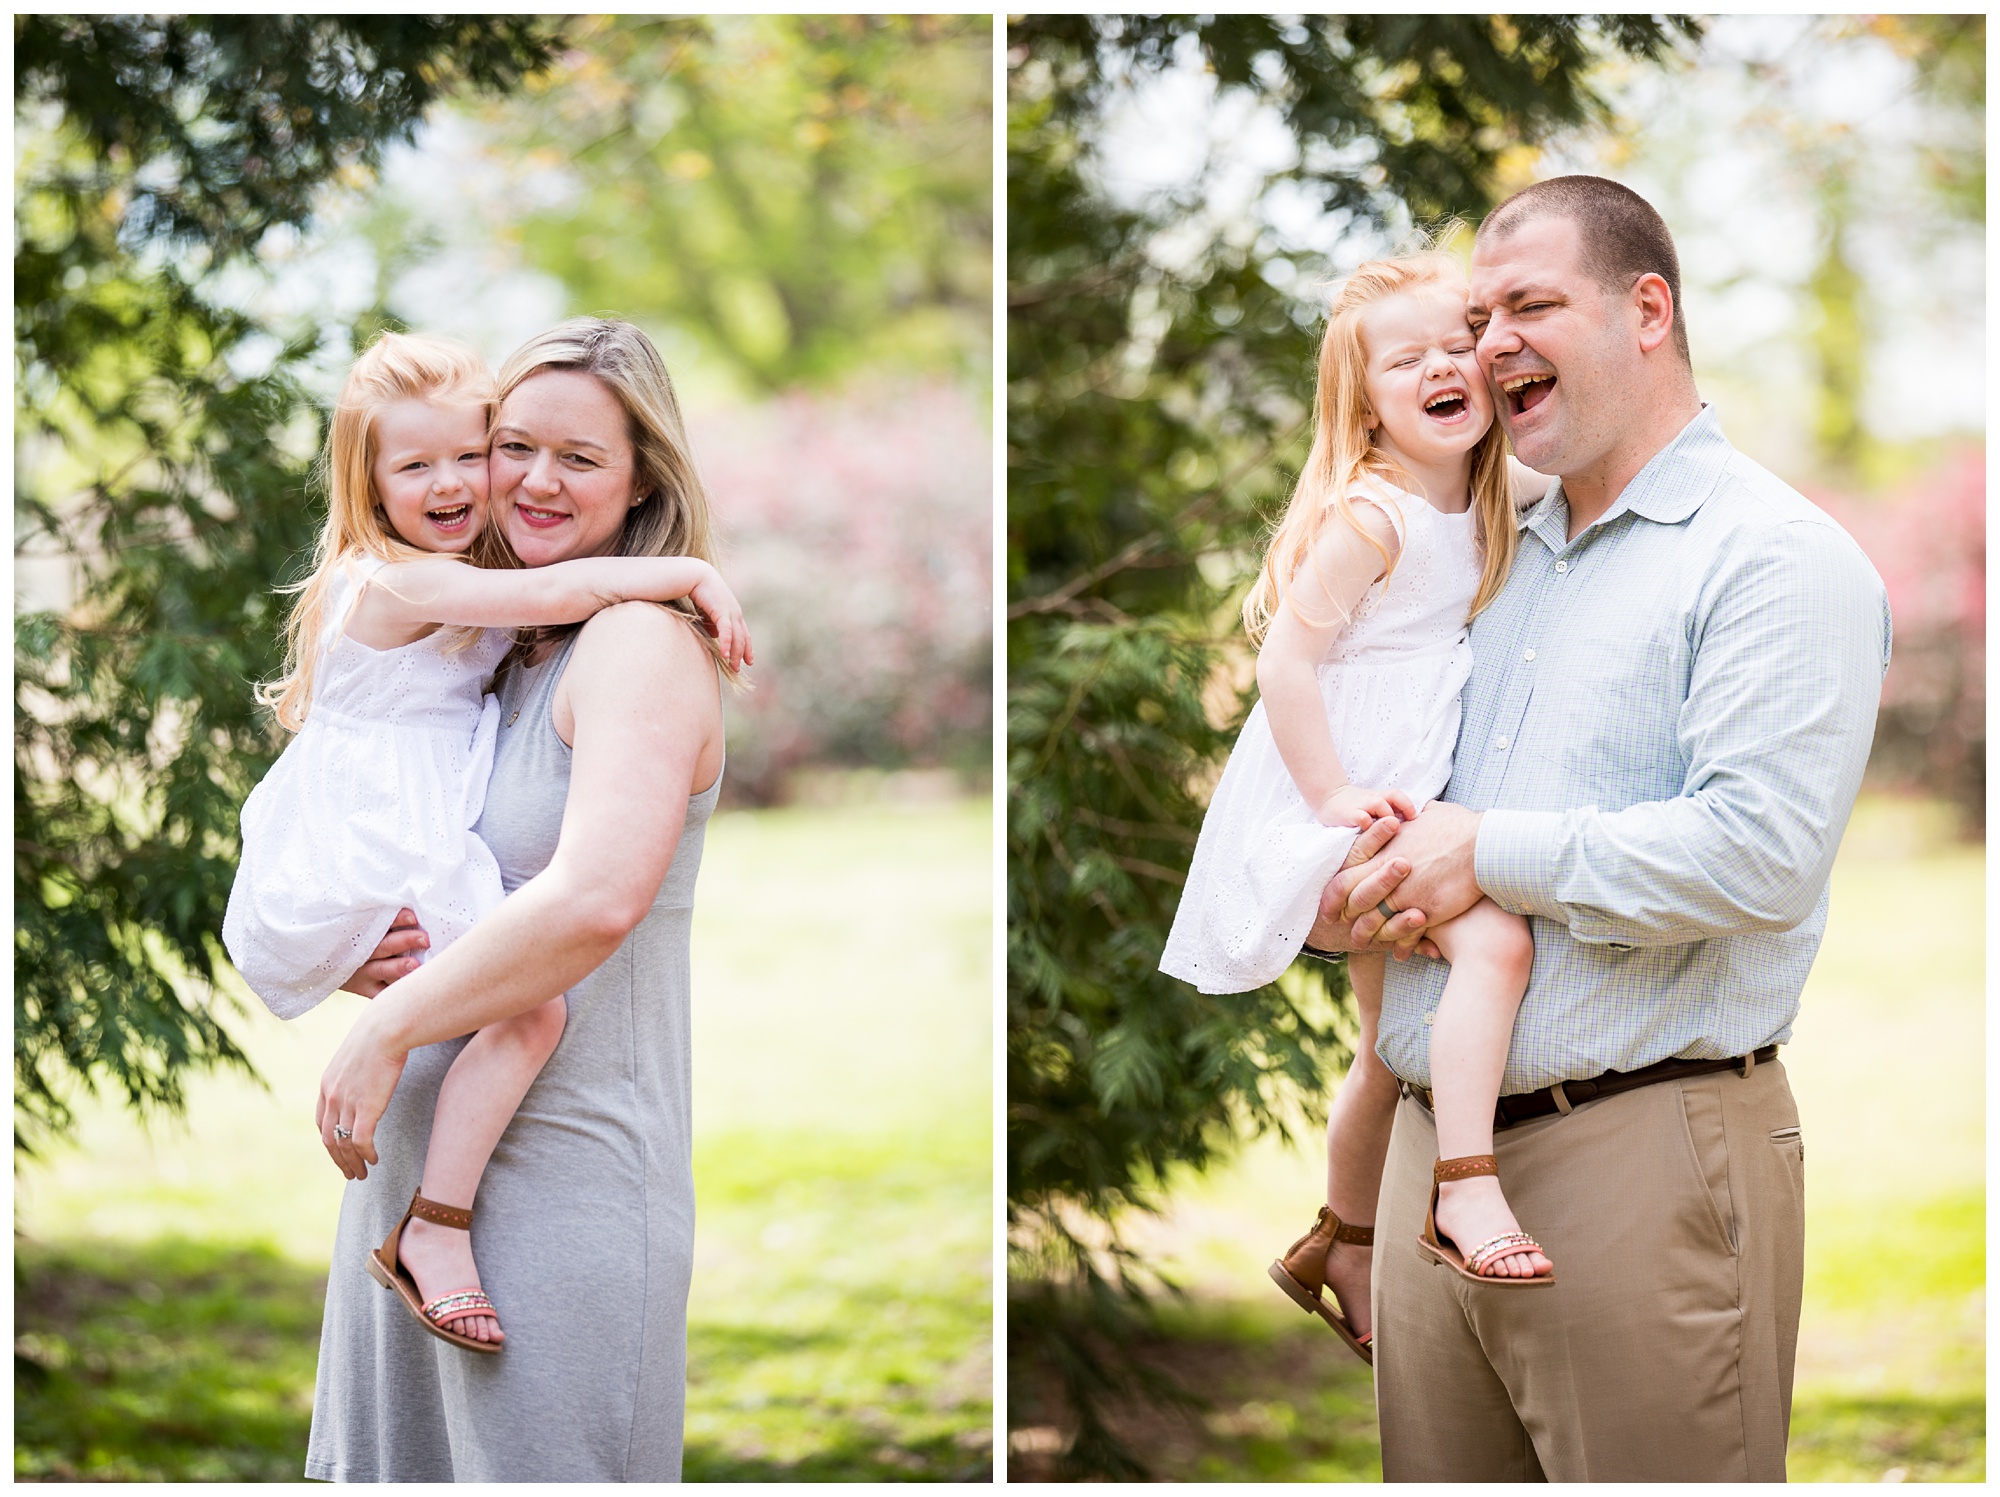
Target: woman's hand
(354,1092)
(1353,806)
(719,607)
(394,956)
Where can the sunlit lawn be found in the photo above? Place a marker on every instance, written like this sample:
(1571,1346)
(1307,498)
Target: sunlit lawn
(1888,1065)
(168,1286)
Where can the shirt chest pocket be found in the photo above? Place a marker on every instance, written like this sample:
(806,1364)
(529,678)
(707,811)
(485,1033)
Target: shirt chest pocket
(1609,713)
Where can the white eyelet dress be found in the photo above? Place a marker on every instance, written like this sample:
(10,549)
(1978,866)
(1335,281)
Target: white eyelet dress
(369,810)
(1391,682)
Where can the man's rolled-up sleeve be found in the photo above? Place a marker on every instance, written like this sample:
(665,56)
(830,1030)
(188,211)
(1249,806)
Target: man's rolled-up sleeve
(1786,674)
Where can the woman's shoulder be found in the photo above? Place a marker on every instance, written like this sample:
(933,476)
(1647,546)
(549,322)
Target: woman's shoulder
(641,626)
(643,648)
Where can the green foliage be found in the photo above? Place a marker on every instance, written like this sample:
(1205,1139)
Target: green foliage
(1155,401)
(808,196)
(164,443)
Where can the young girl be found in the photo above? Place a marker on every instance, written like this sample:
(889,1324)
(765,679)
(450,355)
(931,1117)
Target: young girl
(1401,528)
(369,810)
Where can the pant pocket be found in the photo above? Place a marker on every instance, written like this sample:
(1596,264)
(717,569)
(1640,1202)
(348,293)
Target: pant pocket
(1790,1146)
(1708,1144)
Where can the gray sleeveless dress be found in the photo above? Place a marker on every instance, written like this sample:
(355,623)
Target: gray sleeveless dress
(584,1229)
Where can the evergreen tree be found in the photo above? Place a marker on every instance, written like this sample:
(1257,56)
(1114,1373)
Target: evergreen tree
(163,450)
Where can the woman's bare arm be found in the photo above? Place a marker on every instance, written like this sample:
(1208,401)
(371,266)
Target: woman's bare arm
(406,599)
(641,694)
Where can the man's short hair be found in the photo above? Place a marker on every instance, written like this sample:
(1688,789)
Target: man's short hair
(1622,236)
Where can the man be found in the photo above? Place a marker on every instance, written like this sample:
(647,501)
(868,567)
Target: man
(1666,725)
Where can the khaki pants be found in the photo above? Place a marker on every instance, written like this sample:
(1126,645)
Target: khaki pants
(1675,1216)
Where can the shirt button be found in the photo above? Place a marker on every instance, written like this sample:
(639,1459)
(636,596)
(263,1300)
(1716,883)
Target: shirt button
(1527,654)
(1429,1017)
(1562,566)
(1500,742)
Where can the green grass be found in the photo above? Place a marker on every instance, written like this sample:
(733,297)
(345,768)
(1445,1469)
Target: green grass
(1888,1064)
(162,1361)
(169,1282)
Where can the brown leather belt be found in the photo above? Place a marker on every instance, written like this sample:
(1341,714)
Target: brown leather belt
(1522,1107)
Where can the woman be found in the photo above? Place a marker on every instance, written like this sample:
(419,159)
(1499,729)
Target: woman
(608,766)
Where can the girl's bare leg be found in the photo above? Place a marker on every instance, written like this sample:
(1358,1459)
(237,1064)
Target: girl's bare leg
(479,1097)
(1357,1143)
(1490,952)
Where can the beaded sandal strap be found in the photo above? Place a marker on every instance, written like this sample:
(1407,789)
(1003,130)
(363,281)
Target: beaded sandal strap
(1506,1244)
(439,1215)
(1464,1167)
(453,1306)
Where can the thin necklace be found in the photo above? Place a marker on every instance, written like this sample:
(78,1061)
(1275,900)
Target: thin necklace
(529,675)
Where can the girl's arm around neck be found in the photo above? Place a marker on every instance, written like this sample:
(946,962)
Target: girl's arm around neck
(406,600)
(1316,608)
(1530,487)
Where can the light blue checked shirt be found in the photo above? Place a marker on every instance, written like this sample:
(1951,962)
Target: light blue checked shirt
(1666,725)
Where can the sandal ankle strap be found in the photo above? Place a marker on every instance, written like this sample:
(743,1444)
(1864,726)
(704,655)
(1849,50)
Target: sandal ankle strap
(1465,1167)
(1345,1231)
(441,1215)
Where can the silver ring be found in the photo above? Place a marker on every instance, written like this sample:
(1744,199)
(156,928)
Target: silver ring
(343,1133)
(1383,906)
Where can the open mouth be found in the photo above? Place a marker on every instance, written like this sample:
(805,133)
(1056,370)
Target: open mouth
(451,517)
(1446,405)
(1526,391)
(539,518)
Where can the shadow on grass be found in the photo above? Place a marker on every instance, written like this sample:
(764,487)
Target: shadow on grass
(169,1361)
(1278,1402)
(1910,1437)
(850,1458)
(1289,1403)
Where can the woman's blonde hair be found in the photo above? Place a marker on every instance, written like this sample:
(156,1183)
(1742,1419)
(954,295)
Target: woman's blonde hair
(396,366)
(672,519)
(1344,453)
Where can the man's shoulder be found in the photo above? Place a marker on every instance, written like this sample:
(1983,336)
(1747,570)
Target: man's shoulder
(1753,510)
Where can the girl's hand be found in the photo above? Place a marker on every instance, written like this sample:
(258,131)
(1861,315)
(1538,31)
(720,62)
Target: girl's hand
(719,607)
(354,1092)
(1353,806)
(393,957)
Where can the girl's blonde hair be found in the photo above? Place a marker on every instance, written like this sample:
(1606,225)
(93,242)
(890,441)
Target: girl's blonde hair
(396,366)
(1344,453)
(672,519)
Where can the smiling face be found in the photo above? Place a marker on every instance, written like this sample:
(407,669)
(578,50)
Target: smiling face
(1554,342)
(1425,392)
(563,467)
(429,473)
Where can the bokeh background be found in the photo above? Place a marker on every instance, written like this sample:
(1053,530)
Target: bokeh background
(212,216)
(1180,188)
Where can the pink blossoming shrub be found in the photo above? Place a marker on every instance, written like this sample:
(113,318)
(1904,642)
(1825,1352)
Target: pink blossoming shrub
(858,532)
(1929,544)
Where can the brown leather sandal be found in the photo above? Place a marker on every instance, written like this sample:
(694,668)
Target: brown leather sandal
(1301,1273)
(1444,1250)
(385,1270)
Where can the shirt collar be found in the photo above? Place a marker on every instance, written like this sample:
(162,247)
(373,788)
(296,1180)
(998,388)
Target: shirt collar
(1672,486)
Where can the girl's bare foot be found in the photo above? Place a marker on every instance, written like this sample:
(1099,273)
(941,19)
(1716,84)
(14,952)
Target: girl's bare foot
(1349,1267)
(440,1260)
(1470,1212)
